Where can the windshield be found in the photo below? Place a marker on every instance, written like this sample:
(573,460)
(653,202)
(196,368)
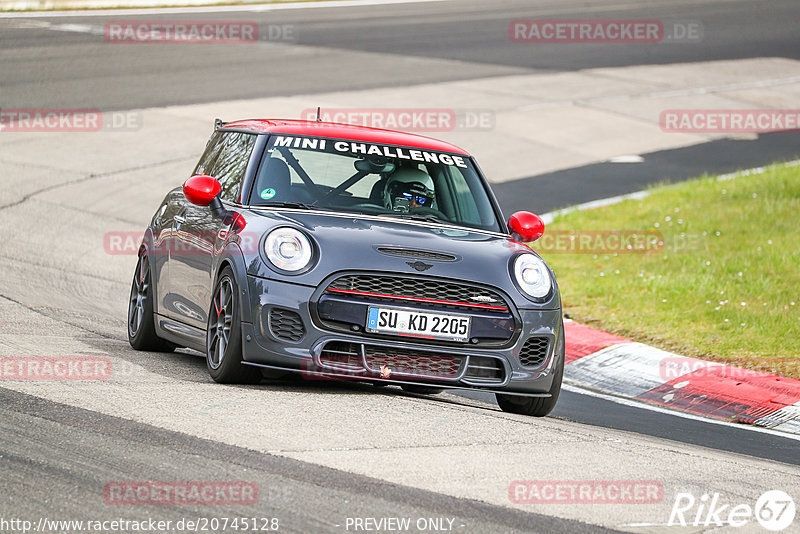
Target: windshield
(358,177)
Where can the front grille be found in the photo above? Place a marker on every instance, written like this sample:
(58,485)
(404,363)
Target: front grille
(534,351)
(482,368)
(412,362)
(368,361)
(416,254)
(432,292)
(342,356)
(286,325)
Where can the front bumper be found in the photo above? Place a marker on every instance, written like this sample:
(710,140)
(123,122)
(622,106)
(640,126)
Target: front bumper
(319,351)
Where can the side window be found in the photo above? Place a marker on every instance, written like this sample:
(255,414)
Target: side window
(213,148)
(465,200)
(473,209)
(231,161)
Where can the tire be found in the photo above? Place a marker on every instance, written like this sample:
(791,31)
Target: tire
(536,406)
(224,335)
(422,390)
(141,322)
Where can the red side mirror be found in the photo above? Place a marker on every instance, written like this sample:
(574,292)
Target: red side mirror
(528,226)
(201,189)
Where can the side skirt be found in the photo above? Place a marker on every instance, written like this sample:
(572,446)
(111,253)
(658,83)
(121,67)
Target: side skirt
(180,333)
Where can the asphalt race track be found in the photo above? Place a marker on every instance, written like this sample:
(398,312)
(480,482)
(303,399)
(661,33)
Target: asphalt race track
(324,453)
(430,42)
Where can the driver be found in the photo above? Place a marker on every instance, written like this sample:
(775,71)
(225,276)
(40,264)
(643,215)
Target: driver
(409,188)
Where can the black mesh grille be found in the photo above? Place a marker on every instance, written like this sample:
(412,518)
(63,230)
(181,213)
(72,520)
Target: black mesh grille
(342,356)
(412,362)
(286,325)
(416,254)
(534,351)
(483,368)
(401,288)
(346,358)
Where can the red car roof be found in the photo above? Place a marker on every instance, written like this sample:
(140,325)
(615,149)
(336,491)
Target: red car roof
(343,131)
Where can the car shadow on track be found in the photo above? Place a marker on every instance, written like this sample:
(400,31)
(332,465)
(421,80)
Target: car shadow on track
(187,365)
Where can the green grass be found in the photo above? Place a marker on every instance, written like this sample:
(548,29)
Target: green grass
(726,284)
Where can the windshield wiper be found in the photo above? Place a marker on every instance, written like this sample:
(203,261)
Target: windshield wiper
(290,204)
(418,217)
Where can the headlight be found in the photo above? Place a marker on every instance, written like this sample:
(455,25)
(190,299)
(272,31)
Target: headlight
(288,249)
(532,275)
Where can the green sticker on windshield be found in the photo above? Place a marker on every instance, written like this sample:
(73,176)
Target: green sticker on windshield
(268,193)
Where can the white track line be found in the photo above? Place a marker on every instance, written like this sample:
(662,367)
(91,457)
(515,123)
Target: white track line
(254,8)
(574,388)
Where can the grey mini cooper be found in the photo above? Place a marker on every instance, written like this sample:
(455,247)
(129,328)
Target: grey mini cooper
(349,253)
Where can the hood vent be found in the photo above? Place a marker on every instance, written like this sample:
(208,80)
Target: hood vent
(416,254)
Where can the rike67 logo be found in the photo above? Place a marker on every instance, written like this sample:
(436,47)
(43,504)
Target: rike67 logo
(774,510)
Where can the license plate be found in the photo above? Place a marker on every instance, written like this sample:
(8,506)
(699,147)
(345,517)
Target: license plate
(411,323)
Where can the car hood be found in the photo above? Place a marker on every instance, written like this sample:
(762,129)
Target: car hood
(347,243)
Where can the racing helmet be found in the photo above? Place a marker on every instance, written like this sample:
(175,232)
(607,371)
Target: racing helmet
(406,187)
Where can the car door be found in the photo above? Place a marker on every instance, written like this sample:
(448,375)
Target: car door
(198,232)
(172,302)
(163,241)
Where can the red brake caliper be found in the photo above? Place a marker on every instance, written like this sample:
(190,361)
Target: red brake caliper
(219,308)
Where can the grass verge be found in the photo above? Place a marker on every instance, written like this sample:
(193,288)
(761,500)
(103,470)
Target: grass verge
(714,271)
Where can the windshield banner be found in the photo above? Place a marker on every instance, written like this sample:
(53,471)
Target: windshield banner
(356,147)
